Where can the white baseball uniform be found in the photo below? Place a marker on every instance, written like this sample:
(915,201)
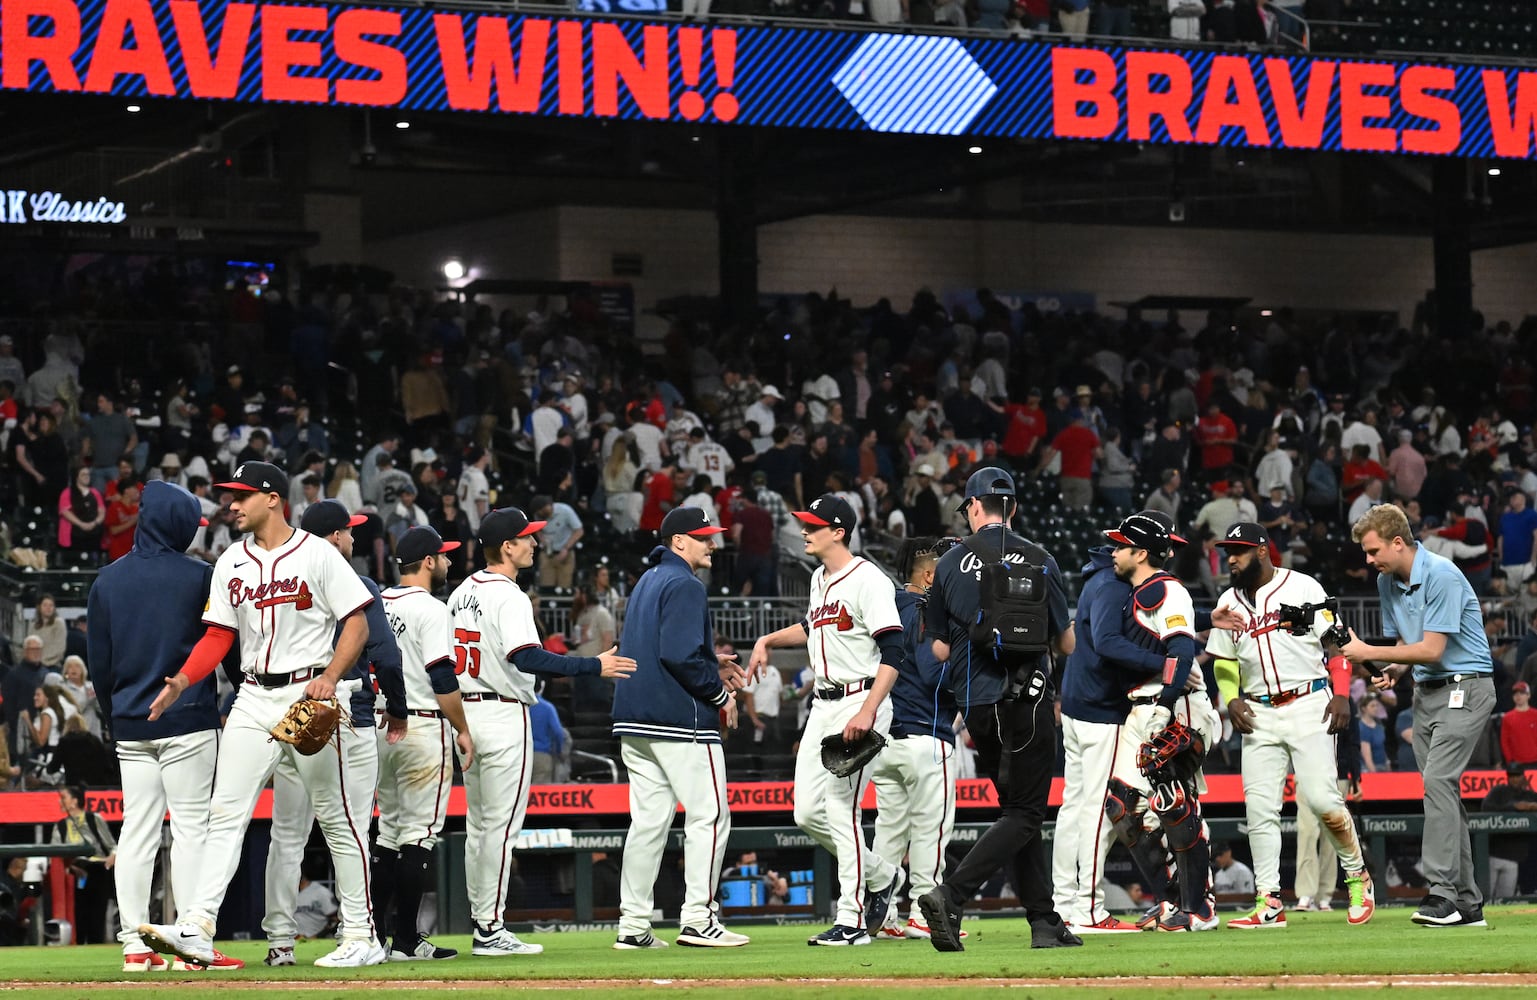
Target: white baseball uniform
(848,609)
(284,604)
(493,619)
(711,459)
(416,774)
(1293,735)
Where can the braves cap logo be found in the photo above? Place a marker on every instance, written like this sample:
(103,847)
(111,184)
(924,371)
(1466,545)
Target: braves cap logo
(1235,531)
(816,503)
(240,472)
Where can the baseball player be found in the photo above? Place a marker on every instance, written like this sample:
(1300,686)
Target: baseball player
(292,813)
(1288,697)
(282,592)
(416,773)
(1094,709)
(496,652)
(168,762)
(854,636)
(666,720)
(915,776)
(1161,617)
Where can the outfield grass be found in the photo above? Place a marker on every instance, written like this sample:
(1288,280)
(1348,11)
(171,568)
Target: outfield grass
(828,992)
(1314,944)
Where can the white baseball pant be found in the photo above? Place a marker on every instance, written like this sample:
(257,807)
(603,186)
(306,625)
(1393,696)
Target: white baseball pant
(663,774)
(827,807)
(292,818)
(175,772)
(1318,866)
(915,801)
(1077,854)
(496,799)
(248,756)
(1293,737)
(415,777)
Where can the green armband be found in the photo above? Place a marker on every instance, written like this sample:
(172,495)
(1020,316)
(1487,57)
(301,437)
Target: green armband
(1227,679)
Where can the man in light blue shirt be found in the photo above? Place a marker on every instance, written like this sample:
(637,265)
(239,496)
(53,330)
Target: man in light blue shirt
(557,542)
(1430,611)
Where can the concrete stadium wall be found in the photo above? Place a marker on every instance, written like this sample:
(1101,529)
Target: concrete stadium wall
(867,257)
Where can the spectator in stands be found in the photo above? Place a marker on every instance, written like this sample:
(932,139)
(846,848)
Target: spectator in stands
(557,542)
(93,870)
(11,369)
(762,414)
(405,515)
(1227,507)
(42,725)
(1073,17)
(1024,427)
(424,398)
(1166,497)
(78,689)
(735,395)
(1403,727)
(108,436)
(372,467)
(1232,877)
(1466,541)
(452,524)
(1370,496)
(309,493)
(1076,443)
(1406,467)
(122,521)
(1518,728)
(1321,494)
(1185,19)
(1275,466)
(1374,754)
(781,464)
(1516,539)
(17,686)
(664,489)
(1112,18)
(1280,519)
(47,627)
(753,534)
(1216,434)
(1169,450)
(1361,467)
(1117,473)
(1509,852)
(552,744)
(43,455)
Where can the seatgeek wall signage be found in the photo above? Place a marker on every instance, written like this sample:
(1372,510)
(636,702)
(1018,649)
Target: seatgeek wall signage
(442,60)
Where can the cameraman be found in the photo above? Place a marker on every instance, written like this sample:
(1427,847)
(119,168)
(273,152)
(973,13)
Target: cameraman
(1008,708)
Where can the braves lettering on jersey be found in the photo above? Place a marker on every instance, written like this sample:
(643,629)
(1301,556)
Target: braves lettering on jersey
(284,602)
(423,630)
(848,610)
(492,619)
(1275,661)
(1161,609)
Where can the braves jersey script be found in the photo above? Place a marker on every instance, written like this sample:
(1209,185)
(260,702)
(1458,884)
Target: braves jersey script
(492,619)
(422,631)
(284,602)
(848,610)
(1161,608)
(1276,661)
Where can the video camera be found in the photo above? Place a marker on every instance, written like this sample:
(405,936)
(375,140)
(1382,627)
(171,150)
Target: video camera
(1298,620)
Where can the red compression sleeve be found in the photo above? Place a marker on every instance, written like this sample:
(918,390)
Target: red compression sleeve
(1340,673)
(208,653)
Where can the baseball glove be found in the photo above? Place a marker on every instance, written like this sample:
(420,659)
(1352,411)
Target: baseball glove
(843,759)
(1176,753)
(308,725)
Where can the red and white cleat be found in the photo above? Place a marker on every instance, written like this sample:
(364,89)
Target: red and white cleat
(221,963)
(144,961)
(1109,925)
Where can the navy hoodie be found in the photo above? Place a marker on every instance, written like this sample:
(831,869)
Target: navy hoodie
(1094,684)
(675,693)
(920,703)
(144,615)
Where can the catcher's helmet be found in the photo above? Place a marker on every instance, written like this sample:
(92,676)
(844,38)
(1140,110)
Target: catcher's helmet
(988,481)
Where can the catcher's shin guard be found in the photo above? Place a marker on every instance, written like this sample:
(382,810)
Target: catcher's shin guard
(1185,832)
(1123,807)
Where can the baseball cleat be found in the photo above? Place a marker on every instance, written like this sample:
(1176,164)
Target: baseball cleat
(1268,913)
(1436,911)
(144,961)
(501,943)
(878,901)
(280,954)
(942,920)
(1149,920)
(1305,904)
(188,942)
(712,935)
(1051,932)
(919,931)
(1109,925)
(638,942)
(221,963)
(1363,897)
(1179,921)
(354,954)
(839,936)
(892,929)
(423,949)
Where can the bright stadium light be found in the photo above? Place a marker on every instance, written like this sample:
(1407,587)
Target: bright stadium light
(453,270)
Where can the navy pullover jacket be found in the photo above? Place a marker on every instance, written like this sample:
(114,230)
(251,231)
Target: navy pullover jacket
(144,615)
(1093,684)
(920,704)
(675,693)
(382,651)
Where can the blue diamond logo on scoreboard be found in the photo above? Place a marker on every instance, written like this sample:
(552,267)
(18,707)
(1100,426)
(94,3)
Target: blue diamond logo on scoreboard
(915,84)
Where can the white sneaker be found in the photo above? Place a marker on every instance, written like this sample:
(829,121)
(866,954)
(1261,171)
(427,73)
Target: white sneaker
(188,942)
(354,954)
(1305,904)
(500,943)
(638,942)
(712,935)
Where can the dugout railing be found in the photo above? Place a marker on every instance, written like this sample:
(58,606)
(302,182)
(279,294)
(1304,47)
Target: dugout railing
(1379,835)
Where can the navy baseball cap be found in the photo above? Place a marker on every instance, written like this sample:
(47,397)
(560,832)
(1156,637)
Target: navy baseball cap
(419,543)
(505,524)
(691,521)
(987,481)
(1245,534)
(257,477)
(830,511)
(1152,530)
(326,516)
